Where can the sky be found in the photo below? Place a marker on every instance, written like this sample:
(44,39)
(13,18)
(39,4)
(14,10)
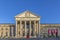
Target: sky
(49,10)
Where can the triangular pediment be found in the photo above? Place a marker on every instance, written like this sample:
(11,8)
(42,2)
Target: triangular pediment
(26,14)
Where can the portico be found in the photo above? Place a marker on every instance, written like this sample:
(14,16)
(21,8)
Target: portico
(27,25)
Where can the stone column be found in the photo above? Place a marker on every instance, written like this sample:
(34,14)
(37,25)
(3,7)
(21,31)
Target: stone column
(39,28)
(12,32)
(25,29)
(30,28)
(34,28)
(9,32)
(16,29)
(0,33)
(20,29)
(3,33)
(18,25)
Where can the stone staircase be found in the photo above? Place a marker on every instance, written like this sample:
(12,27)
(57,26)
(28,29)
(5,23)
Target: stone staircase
(29,38)
(20,39)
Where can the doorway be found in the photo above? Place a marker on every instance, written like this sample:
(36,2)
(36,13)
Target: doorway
(28,29)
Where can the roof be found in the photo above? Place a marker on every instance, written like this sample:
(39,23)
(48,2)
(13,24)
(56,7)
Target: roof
(27,14)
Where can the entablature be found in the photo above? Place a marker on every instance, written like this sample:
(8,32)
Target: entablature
(28,18)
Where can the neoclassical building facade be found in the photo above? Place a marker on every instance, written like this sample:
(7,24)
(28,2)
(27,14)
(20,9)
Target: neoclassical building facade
(28,26)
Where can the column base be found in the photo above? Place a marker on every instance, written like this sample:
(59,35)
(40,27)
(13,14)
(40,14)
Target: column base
(30,37)
(33,37)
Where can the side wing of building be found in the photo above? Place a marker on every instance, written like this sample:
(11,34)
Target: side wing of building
(50,30)
(7,30)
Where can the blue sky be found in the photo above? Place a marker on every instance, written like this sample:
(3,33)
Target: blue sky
(49,10)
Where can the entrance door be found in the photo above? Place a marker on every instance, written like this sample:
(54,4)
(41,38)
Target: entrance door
(28,29)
